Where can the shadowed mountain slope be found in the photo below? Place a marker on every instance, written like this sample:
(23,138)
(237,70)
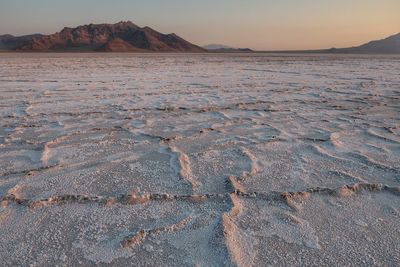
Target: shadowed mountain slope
(389,45)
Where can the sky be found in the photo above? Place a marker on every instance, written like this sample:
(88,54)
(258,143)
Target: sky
(256,24)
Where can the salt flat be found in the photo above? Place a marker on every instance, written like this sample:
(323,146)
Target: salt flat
(208,160)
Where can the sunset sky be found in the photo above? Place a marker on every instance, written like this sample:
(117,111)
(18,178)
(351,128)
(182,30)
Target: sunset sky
(257,24)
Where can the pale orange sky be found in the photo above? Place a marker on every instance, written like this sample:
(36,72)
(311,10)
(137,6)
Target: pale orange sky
(257,24)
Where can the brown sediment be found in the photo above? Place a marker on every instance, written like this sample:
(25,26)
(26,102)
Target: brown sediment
(134,199)
(30,172)
(234,185)
(134,240)
(137,238)
(64,199)
(293,199)
(348,190)
(108,202)
(13,196)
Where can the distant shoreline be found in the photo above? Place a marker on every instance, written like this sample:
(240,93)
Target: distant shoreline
(326,52)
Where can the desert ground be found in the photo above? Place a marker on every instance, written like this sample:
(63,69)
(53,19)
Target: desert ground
(199,160)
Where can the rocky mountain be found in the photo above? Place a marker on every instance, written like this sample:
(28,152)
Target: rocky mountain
(123,36)
(389,45)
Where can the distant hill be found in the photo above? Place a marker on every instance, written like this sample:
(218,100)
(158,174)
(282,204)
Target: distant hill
(119,37)
(389,45)
(225,49)
(216,46)
(10,42)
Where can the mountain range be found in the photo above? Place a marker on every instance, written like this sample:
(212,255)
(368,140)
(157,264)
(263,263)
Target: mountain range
(219,48)
(126,36)
(123,36)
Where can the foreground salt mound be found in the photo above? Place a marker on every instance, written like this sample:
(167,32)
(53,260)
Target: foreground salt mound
(208,160)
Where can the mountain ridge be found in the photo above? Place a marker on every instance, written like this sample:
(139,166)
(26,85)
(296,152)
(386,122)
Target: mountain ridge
(388,45)
(124,36)
(220,48)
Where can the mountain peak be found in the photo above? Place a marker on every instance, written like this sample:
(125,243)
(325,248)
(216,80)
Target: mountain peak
(127,23)
(124,22)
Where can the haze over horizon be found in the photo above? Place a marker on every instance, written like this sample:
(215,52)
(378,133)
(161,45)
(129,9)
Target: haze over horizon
(257,24)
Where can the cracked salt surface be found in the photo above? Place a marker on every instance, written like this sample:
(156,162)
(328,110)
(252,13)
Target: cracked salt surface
(218,160)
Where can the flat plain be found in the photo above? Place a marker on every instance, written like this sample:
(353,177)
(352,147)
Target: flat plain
(199,160)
